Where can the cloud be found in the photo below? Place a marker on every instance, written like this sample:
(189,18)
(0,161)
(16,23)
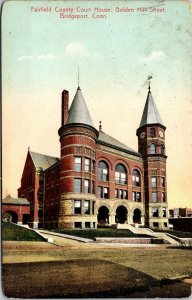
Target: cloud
(25,57)
(49,56)
(154,55)
(76,50)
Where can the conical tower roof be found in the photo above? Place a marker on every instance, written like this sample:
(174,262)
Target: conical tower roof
(78,112)
(150,113)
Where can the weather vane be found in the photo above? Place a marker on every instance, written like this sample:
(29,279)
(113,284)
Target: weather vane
(78,77)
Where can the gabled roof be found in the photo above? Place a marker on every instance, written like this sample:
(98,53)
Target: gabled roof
(150,113)
(78,112)
(15,201)
(42,161)
(108,140)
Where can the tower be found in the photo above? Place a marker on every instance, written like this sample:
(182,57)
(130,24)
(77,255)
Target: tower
(151,144)
(77,174)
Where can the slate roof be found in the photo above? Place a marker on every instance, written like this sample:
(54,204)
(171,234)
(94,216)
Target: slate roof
(108,140)
(15,201)
(78,112)
(42,161)
(150,113)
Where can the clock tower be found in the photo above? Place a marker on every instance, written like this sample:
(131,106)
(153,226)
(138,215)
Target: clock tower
(151,144)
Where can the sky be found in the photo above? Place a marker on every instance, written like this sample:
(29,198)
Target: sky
(115,54)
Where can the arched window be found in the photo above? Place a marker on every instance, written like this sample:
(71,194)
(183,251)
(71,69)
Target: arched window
(152,149)
(136,181)
(162,149)
(120,174)
(103,171)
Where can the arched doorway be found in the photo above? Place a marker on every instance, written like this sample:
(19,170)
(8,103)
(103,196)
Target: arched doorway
(137,216)
(121,214)
(103,215)
(10,216)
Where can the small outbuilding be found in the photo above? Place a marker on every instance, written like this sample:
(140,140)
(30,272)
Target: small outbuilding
(15,210)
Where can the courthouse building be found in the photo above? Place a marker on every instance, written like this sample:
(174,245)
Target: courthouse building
(98,180)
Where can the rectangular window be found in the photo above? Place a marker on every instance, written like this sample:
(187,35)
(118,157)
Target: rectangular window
(163,181)
(121,194)
(123,178)
(77,206)
(93,187)
(137,196)
(117,177)
(87,207)
(105,175)
(164,212)
(106,193)
(163,197)
(87,225)
(77,165)
(77,185)
(116,193)
(155,224)
(154,197)
(155,212)
(152,132)
(134,196)
(87,165)
(125,194)
(87,186)
(153,181)
(99,192)
(93,207)
(78,225)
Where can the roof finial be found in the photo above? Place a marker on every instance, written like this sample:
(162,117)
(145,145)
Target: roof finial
(100,125)
(78,80)
(149,82)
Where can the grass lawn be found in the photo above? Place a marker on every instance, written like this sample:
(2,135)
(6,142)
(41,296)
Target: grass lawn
(101,232)
(179,234)
(11,232)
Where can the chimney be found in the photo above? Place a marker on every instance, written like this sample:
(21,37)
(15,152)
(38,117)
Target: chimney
(64,107)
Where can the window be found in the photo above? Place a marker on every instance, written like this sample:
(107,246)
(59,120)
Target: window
(93,207)
(106,193)
(87,165)
(116,193)
(164,212)
(93,187)
(155,212)
(155,224)
(87,207)
(152,132)
(162,149)
(77,185)
(120,174)
(77,206)
(163,197)
(121,194)
(154,197)
(103,171)
(163,181)
(153,181)
(152,149)
(78,225)
(87,225)
(137,196)
(136,178)
(125,194)
(87,186)
(103,192)
(77,166)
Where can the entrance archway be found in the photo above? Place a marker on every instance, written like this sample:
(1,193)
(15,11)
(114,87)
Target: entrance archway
(10,216)
(137,216)
(103,215)
(121,214)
